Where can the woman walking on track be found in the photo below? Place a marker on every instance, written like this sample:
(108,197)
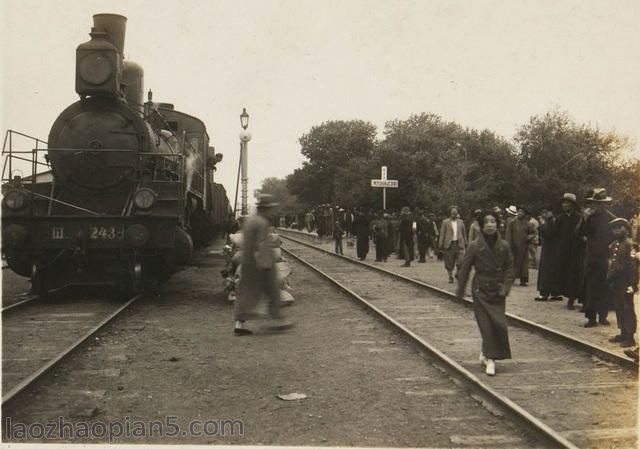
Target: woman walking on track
(491,257)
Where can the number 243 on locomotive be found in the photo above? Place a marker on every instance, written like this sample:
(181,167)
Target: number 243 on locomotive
(130,190)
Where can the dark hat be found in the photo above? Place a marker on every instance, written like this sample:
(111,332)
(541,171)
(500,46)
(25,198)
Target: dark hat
(569,197)
(266,201)
(453,206)
(619,222)
(599,195)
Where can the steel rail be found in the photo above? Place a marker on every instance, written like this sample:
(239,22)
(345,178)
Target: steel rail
(30,380)
(531,421)
(519,321)
(18,304)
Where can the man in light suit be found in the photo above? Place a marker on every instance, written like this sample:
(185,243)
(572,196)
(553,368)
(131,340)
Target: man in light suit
(452,241)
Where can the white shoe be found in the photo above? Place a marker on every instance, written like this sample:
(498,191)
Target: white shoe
(490,370)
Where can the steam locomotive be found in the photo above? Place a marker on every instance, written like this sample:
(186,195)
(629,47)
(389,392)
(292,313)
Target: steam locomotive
(130,191)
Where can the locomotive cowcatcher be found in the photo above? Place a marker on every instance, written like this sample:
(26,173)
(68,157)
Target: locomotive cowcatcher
(129,189)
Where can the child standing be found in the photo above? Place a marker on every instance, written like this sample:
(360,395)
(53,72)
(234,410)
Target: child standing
(622,281)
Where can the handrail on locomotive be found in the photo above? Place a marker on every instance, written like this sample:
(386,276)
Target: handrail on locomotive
(9,154)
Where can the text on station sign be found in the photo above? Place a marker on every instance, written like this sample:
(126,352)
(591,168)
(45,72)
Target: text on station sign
(384,183)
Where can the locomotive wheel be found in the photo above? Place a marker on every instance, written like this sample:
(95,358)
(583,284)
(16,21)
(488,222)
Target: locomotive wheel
(20,263)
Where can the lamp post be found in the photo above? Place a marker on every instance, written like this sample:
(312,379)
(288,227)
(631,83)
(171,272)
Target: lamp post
(245,137)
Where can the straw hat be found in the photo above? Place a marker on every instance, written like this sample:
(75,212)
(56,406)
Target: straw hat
(599,195)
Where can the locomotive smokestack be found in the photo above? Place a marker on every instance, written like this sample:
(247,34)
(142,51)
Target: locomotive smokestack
(115,25)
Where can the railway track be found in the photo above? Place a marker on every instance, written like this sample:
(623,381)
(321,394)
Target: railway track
(39,334)
(573,393)
(15,305)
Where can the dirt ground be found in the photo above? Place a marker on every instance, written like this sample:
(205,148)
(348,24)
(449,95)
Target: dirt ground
(14,288)
(176,355)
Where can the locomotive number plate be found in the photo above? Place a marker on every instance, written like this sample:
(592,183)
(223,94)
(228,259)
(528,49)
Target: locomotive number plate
(106,233)
(57,233)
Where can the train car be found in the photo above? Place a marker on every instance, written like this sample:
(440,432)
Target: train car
(131,188)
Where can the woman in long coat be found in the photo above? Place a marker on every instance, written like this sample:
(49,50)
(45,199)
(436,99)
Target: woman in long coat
(549,284)
(361,230)
(491,257)
(570,250)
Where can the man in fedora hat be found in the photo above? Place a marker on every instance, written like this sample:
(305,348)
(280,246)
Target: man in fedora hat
(594,225)
(257,273)
(452,241)
(569,268)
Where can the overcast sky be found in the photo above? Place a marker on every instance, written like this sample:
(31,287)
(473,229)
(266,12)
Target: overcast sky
(294,64)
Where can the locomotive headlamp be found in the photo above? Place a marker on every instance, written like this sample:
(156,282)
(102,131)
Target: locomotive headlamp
(144,198)
(14,236)
(15,200)
(95,69)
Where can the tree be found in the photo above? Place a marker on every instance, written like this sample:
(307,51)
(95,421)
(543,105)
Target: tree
(556,155)
(440,163)
(626,188)
(328,147)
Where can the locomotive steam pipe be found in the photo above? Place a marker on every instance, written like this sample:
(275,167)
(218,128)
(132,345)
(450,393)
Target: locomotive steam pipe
(133,79)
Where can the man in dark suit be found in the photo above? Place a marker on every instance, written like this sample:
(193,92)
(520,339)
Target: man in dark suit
(422,234)
(594,225)
(452,241)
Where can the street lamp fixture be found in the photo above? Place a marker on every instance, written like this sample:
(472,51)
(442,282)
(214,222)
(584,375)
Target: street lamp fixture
(244,118)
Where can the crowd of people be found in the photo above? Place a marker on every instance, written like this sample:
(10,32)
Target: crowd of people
(586,255)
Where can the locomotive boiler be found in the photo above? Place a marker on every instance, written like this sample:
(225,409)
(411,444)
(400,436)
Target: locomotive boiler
(131,188)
